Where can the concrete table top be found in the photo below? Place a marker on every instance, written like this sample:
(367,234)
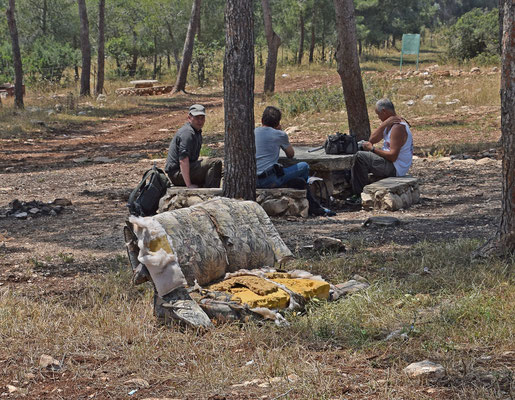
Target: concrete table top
(318,160)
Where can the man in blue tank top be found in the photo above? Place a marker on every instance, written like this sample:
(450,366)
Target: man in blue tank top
(393,159)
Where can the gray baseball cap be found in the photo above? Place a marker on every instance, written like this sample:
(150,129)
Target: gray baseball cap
(197,109)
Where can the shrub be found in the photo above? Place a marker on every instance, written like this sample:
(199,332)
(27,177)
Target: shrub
(317,100)
(48,60)
(476,32)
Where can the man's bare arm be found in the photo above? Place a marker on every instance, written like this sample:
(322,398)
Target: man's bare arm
(289,151)
(377,135)
(398,137)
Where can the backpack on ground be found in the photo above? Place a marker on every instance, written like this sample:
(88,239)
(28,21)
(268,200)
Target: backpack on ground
(144,199)
(319,190)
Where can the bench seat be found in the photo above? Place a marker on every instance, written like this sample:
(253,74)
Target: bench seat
(391,194)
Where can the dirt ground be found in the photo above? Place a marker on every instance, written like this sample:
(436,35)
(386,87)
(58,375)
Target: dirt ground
(95,167)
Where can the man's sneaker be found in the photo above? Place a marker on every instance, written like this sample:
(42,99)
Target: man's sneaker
(354,200)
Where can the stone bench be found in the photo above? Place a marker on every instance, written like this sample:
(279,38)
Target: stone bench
(391,194)
(279,202)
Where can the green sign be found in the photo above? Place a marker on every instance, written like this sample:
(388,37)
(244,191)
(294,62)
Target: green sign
(410,45)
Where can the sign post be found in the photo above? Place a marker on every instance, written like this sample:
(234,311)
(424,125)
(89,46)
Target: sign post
(410,45)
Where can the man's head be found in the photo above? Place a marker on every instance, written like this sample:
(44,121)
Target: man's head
(271,117)
(385,109)
(197,116)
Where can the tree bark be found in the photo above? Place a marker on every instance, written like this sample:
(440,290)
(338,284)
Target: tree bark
(101,47)
(301,40)
(44,17)
(507,225)
(175,51)
(503,243)
(312,44)
(85,47)
(273,42)
(18,68)
(349,70)
(187,53)
(240,147)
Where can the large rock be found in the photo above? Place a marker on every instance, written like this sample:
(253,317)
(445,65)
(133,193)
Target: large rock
(425,368)
(391,194)
(280,202)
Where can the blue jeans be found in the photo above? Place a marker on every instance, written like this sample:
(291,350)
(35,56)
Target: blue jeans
(299,170)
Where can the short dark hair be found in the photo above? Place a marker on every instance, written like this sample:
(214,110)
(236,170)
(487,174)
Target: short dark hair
(271,116)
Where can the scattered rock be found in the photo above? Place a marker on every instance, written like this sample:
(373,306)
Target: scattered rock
(101,98)
(475,70)
(328,243)
(275,206)
(104,159)
(292,129)
(428,98)
(410,102)
(46,361)
(381,221)
(451,102)
(164,130)
(29,375)
(11,388)
(425,368)
(62,202)
(485,161)
(142,383)
(397,334)
(80,160)
(349,287)
(34,208)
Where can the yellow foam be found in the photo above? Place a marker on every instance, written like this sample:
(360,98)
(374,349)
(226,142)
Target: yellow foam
(307,288)
(160,243)
(257,292)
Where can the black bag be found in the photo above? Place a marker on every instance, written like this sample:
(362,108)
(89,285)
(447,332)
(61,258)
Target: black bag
(144,200)
(341,143)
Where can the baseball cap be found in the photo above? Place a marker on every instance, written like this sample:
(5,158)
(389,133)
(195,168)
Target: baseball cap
(197,109)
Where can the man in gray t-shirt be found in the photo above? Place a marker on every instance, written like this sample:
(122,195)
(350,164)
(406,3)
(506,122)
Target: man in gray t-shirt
(183,165)
(270,139)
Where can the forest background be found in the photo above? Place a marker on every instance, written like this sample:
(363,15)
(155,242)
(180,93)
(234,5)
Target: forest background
(65,287)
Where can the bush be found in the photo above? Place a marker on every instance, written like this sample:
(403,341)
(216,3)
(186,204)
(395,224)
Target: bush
(48,60)
(316,100)
(476,32)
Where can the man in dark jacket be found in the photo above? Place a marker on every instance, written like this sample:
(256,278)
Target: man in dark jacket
(183,165)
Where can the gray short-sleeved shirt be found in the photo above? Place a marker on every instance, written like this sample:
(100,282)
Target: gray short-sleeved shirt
(186,143)
(269,141)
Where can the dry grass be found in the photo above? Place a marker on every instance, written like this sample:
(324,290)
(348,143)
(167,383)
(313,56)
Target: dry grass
(104,333)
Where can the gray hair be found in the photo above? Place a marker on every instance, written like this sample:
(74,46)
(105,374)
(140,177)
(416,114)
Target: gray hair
(385,104)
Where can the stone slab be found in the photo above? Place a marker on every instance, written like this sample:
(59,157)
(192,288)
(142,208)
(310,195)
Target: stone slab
(391,193)
(318,160)
(276,202)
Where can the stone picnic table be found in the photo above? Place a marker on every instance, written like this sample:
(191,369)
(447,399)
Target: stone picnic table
(329,167)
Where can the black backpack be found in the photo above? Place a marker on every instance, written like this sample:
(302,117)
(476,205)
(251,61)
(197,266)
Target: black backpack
(144,199)
(341,143)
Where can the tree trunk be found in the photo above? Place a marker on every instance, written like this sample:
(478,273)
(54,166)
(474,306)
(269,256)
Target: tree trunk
(187,53)
(240,148)
(273,41)
(349,70)
(85,48)
(174,48)
(507,226)
(154,72)
(101,52)
(44,17)
(18,69)
(501,22)
(301,41)
(312,44)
